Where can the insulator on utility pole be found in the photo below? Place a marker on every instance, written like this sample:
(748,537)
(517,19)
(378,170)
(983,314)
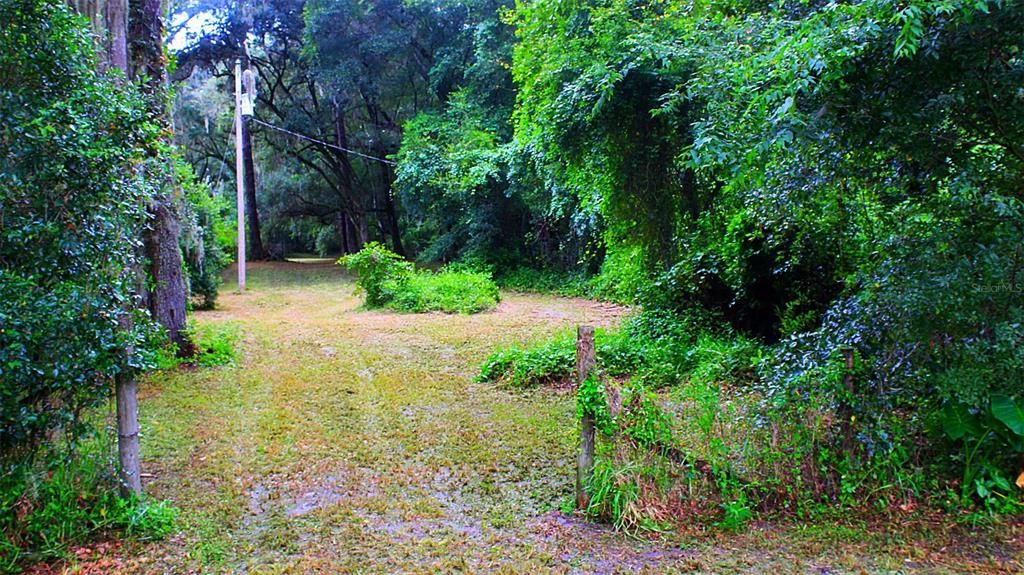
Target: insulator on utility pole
(248,93)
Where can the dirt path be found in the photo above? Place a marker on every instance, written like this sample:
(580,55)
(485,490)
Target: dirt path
(350,441)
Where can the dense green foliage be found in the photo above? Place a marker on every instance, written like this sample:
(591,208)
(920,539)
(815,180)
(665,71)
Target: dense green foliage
(80,159)
(214,347)
(208,237)
(653,347)
(775,185)
(76,502)
(817,207)
(72,211)
(850,179)
(390,281)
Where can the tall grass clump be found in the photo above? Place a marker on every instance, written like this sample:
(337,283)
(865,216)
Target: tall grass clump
(70,495)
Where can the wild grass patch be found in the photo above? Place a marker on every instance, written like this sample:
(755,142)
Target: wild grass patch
(66,498)
(214,344)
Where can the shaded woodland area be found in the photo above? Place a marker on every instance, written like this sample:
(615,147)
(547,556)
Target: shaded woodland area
(812,211)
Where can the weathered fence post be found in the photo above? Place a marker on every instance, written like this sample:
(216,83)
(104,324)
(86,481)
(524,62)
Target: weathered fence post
(128,434)
(846,411)
(585,360)
(125,394)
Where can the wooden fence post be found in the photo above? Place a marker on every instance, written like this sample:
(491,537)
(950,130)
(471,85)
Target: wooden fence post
(125,394)
(846,411)
(585,361)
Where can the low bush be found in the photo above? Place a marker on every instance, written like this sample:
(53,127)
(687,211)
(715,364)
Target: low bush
(380,272)
(549,363)
(215,345)
(527,280)
(447,291)
(206,240)
(618,281)
(389,281)
(71,497)
(651,347)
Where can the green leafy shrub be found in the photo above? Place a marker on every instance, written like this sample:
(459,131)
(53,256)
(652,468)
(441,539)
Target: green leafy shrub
(766,206)
(65,499)
(550,363)
(632,478)
(390,281)
(591,401)
(620,280)
(73,207)
(522,279)
(991,448)
(653,347)
(204,240)
(447,291)
(216,344)
(643,421)
(381,273)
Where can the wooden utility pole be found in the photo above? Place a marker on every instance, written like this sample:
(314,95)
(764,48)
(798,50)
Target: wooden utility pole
(585,360)
(239,175)
(254,248)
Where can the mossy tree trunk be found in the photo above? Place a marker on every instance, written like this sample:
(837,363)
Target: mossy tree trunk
(167,295)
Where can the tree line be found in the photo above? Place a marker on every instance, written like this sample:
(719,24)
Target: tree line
(814,176)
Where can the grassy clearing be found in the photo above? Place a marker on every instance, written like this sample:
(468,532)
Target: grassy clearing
(355,441)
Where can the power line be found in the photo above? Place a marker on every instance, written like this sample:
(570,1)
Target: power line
(320,142)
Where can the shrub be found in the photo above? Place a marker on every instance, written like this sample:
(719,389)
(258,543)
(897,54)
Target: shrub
(522,279)
(549,363)
(204,237)
(71,143)
(654,347)
(447,291)
(380,272)
(215,345)
(389,281)
(991,443)
(68,498)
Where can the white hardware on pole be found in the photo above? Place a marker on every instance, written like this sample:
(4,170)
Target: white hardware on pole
(248,93)
(240,175)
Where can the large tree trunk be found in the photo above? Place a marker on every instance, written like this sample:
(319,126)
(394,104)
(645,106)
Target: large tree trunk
(168,294)
(363,229)
(387,178)
(391,212)
(341,226)
(109,20)
(255,249)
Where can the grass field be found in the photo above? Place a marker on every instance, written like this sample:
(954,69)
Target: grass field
(353,441)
